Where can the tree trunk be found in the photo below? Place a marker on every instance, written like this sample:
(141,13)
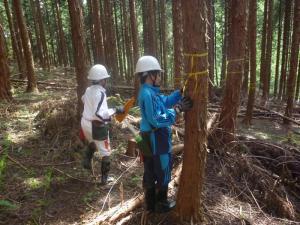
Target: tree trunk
(285,48)
(252,59)
(293,62)
(164,41)
(42,35)
(5,93)
(278,49)
(211,50)
(149,29)
(235,67)
(178,44)
(99,56)
(16,50)
(190,199)
(298,83)
(128,49)
(31,85)
(39,46)
(262,77)
(120,33)
(135,43)
(80,57)
(224,45)
(23,71)
(268,58)
(111,41)
(51,32)
(61,34)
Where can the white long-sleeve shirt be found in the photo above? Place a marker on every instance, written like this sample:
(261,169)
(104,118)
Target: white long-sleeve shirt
(95,104)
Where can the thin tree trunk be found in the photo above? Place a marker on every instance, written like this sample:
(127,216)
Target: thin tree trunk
(135,42)
(262,77)
(164,41)
(298,83)
(252,59)
(190,199)
(211,50)
(5,93)
(42,35)
(80,57)
(39,46)
(120,33)
(285,46)
(31,85)
(268,58)
(235,68)
(278,49)
(16,50)
(224,45)
(111,40)
(150,31)
(178,44)
(62,40)
(98,33)
(293,63)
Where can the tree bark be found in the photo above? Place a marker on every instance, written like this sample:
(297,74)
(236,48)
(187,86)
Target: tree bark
(135,43)
(189,200)
(31,85)
(149,29)
(285,48)
(164,41)
(298,83)
(99,46)
(80,57)
(262,77)
(211,45)
(252,58)
(16,50)
(224,45)
(178,44)
(5,93)
(42,35)
(235,68)
(293,62)
(62,39)
(266,88)
(111,41)
(278,49)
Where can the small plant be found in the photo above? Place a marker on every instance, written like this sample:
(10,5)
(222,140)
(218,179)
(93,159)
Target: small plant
(7,205)
(89,197)
(6,143)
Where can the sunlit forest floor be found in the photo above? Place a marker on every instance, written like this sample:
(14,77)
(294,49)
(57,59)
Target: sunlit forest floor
(42,180)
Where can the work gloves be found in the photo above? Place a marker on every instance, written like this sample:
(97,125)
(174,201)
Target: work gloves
(183,105)
(120,109)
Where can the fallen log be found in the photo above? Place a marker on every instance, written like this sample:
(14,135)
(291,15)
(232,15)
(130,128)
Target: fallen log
(279,114)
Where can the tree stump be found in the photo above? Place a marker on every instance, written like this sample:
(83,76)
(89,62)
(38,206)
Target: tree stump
(132,149)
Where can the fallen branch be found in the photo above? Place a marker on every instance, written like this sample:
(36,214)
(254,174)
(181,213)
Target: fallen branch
(18,163)
(279,114)
(74,178)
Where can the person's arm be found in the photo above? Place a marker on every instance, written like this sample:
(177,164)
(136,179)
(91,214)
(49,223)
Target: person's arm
(154,118)
(170,100)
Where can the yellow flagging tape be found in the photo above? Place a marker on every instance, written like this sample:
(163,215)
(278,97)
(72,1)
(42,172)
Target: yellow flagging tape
(196,54)
(234,72)
(196,75)
(234,60)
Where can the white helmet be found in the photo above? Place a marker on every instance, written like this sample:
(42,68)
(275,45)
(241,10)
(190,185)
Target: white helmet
(98,72)
(147,63)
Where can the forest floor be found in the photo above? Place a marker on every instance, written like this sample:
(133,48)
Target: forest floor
(42,180)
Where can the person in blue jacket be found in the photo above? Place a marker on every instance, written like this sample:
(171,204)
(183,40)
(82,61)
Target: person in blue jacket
(158,113)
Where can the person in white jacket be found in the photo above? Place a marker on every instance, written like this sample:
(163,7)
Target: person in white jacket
(95,118)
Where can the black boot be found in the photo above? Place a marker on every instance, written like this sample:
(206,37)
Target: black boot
(150,199)
(88,155)
(162,204)
(105,168)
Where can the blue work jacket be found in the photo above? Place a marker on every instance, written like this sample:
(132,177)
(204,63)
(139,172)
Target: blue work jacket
(157,116)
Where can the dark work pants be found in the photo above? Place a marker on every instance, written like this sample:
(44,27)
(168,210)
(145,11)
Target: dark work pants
(157,171)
